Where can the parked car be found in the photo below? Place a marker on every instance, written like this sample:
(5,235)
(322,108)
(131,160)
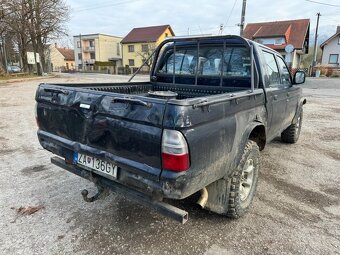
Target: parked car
(211,105)
(13,69)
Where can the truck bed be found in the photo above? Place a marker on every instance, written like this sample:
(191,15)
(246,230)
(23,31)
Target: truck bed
(142,89)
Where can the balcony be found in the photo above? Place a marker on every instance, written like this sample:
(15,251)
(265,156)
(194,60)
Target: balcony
(89,49)
(89,61)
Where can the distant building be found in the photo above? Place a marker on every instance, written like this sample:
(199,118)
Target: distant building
(140,42)
(97,52)
(61,59)
(331,50)
(278,34)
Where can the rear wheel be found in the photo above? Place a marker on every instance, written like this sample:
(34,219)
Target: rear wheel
(292,133)
(243,182)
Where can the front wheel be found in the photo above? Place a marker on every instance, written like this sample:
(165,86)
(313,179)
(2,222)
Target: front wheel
(292,133)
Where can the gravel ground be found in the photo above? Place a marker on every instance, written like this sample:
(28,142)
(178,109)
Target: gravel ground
(296,209)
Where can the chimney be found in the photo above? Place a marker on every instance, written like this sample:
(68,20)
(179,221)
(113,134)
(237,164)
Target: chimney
(55,45)
(337,29)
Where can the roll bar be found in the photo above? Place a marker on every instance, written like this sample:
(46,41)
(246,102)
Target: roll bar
(197,39)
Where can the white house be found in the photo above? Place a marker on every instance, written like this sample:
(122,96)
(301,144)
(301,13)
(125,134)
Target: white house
(331,50)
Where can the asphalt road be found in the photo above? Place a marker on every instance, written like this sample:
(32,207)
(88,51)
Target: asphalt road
(296,209)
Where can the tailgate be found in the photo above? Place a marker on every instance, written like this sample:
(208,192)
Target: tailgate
(126,126)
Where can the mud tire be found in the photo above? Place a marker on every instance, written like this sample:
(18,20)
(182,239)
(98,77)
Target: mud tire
(238,205)
(292,133)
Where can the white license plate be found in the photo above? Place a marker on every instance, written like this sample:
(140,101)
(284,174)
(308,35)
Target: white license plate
(98,165)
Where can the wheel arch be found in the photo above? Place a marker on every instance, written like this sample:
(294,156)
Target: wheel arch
(257,133)
(302,102)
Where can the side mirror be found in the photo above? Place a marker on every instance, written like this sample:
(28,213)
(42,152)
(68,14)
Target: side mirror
(299,77)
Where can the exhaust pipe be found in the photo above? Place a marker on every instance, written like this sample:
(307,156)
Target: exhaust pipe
(204,197)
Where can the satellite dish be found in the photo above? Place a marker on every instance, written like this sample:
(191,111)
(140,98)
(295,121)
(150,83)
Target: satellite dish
(289,48)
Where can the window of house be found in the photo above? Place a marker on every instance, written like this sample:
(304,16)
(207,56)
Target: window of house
(279,41)
(79,56)
(333,58)
(131,48)
(91,43)
(92,55)
(118,49)
(78,44)
(145,47)
(272,75)
(166,34)
(285,75)
(131,62)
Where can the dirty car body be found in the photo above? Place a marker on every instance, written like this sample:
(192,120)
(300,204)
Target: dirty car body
(224,93)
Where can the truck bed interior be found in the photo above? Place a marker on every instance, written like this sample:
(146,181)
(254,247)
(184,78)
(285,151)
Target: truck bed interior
(144,89)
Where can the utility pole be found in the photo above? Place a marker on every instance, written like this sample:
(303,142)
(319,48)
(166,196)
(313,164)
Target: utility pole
(315,42)
(243,14)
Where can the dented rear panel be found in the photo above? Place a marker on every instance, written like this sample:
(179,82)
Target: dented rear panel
(104,121)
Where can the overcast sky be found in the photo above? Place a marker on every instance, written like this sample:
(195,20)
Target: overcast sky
(118,17)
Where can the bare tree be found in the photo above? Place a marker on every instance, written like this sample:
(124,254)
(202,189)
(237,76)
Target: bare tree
(34,23)
(145,54)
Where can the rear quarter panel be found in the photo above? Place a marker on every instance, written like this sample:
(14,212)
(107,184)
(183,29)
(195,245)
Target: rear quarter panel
(215,136)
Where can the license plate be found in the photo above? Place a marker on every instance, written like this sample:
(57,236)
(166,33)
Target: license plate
(98,165)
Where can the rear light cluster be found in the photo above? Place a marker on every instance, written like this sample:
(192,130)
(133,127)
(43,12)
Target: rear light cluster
(175,153)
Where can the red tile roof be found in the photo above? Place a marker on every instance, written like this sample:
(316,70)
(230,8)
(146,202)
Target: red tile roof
(331,38)
(67,53)
(146,34)
(294,31)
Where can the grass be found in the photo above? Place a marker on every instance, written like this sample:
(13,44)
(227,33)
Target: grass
(16,76)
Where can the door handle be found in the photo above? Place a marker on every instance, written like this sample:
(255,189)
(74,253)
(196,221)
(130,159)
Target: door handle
(275,97)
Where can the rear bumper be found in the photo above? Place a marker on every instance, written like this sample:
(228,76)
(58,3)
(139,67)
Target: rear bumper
(161,207)
(131,174)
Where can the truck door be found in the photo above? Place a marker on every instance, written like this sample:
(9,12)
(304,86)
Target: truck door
(276,95)
(292,92)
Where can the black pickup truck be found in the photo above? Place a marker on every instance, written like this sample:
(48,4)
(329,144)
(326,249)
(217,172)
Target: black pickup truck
(211,105)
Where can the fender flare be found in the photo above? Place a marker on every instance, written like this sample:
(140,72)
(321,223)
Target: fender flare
(250,129)
(302,102)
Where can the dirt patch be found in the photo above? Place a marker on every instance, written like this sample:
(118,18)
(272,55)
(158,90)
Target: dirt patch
(300,194)
(292,211)
(3,139)
(33,169)
(336,110)
(330,134)
(6,151)
(332,191)
(330,153)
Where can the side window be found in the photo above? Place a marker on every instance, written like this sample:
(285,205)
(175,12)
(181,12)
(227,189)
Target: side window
(272,75)
(285,75)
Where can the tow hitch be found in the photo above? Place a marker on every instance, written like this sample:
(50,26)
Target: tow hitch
(101,194)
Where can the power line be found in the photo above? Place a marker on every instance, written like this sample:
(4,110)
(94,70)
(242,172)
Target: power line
(220,31)
(106,5)
(231,12)
(316,2)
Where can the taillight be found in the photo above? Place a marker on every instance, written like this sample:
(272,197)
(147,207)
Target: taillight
(175,153)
